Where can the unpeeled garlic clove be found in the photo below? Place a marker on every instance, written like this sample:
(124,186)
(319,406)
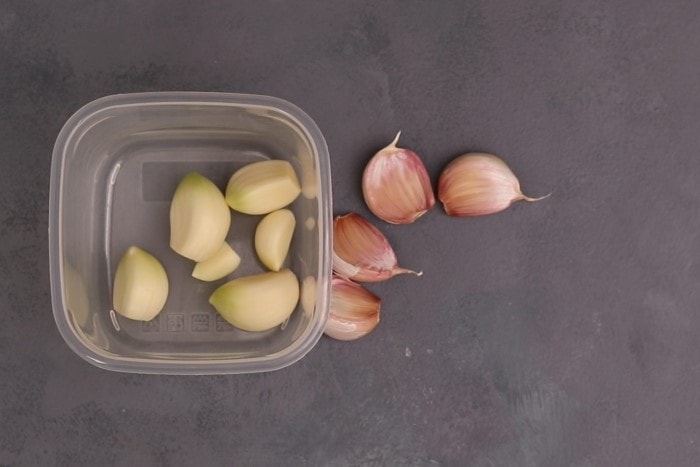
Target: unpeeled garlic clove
(361,252)
(396,185)
(354,310)
(475,184)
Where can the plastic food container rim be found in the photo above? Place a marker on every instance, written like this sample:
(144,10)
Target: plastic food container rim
(281,359)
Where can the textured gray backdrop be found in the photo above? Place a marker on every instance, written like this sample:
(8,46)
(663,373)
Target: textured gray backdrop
(562,333)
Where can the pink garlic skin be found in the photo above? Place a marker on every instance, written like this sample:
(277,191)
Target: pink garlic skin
(396,185)
(361,252)
(354,311)
(476,184)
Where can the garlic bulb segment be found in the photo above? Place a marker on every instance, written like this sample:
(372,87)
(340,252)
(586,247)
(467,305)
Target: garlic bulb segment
(199,218)
(258,302)
(361,252)
(221,264)
(396,185)
(354,311)
(262,187)
(273,236)
(140,285)
(475,184)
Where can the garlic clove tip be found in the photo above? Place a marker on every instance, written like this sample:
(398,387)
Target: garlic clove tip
(393,144)
(532,200)
(399,270)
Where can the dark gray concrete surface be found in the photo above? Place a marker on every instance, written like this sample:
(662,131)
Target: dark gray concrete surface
(561,333)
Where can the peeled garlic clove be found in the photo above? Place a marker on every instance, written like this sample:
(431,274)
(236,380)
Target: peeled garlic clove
(273,236)
(140,285)
(396,186)
(361,252)
(199,218)
(475,184)
(354,311)
(258,302)
(262,187)
(221,264)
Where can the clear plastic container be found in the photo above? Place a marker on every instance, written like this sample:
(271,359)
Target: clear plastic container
(115,167)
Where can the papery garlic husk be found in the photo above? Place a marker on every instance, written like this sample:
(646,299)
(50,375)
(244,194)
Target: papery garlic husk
(475,184)
(361,252)
(354,310)
(396,185)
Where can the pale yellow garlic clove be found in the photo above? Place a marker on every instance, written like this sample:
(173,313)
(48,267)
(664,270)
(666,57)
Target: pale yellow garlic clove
(140,285)
(475,184)
(396,185)
(361,252)
(221,264)
(199,218)
(262,187)
(354,311)
(258,302)
(273,236)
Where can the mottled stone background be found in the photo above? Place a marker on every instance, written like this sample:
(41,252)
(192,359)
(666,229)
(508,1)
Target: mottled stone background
(562,333)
